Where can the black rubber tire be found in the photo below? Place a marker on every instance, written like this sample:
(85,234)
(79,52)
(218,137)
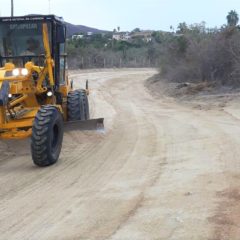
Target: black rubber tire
(47,136)
(74,106)
(84,99)
(77,105)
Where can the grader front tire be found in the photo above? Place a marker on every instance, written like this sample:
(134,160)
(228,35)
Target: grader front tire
(47,136)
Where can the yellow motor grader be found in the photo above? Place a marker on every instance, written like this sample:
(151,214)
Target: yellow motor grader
(36,97)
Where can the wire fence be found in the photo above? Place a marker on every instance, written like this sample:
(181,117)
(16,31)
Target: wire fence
(93,62)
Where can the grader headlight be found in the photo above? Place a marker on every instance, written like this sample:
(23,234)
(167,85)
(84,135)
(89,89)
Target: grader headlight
(24,72)
(49,94)
(16,72)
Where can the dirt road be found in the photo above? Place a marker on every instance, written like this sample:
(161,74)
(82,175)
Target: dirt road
(160,170)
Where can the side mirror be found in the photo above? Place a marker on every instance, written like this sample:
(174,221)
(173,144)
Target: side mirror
(60,38)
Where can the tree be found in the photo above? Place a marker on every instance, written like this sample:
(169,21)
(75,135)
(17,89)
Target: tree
(118,28)
(182,28)
(136,30)
(232,18)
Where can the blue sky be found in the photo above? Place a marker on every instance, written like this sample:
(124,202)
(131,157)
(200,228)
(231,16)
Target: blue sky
(128,14)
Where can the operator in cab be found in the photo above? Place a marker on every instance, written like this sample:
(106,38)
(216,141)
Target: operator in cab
(33,47)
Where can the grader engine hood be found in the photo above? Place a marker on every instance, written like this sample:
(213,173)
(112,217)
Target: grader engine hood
(10,71)
(13,78)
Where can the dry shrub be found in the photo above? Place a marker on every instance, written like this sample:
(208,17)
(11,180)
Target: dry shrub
(204,56)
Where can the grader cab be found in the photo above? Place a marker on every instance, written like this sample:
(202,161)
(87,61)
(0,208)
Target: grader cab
(36,97)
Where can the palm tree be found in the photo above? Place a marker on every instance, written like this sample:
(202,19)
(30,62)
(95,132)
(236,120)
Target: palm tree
(232,18)
(182,28)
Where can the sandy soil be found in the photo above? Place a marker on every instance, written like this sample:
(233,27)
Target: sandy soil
(160,170)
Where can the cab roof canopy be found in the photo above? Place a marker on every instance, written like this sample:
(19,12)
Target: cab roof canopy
(32,18)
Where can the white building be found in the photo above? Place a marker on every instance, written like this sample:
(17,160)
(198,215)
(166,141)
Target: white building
(144,35)
(89,33)
(77,36)
(121,36)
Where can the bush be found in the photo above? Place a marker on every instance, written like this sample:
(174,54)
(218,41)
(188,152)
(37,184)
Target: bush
(201,54)
(100,51)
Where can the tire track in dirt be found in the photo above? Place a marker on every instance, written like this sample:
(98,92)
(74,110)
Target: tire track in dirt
(159,171)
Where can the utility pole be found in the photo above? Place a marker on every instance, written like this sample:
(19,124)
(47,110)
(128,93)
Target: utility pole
(12,8)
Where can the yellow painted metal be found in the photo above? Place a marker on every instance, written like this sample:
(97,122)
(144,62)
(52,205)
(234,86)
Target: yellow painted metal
(17,123)
(2,73)
(16,134)
(64,89)
(29,92)
(31,113)
(9,66)
(2,115)
(49,59)
(18,100)
(39,88)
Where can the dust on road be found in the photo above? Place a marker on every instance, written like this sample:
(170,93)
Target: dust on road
(160,170)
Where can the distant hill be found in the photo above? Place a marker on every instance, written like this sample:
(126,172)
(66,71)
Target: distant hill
(73,29)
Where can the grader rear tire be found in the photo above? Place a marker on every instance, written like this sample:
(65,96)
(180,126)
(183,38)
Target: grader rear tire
(77,105)
(47,136)
(75,110)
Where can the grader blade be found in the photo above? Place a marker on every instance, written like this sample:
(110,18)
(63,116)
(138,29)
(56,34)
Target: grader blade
(87,125)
